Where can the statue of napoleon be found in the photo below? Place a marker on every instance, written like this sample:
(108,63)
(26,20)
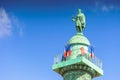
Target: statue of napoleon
(79,21)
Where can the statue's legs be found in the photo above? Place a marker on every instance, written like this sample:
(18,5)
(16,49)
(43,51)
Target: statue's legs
(79,29)
(78,26)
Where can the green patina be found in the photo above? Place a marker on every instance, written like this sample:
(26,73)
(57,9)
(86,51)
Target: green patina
(79,21)
(78,41)
(78,66)
(77,75)
(78,62)
(79,38)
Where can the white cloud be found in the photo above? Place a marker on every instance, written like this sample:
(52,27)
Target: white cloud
(8,23)
(100,5)
(5,24)
(105,8)
(18,25)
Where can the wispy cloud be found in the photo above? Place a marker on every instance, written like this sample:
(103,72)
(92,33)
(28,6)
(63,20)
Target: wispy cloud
(8,23)
(17,25)
(5,24)
(105,7)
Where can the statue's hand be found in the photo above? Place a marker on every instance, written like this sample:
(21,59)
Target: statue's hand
(73,19)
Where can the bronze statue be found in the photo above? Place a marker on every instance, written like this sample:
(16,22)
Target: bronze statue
(80,21)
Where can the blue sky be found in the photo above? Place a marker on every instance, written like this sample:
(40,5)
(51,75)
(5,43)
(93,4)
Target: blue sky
(33,31)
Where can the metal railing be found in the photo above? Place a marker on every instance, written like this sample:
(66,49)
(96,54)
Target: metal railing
(87,56)
(94,60)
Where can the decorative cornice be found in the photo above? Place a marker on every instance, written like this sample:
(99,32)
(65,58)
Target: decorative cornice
(77,67)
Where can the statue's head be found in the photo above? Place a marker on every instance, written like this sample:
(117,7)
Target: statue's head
(79,11)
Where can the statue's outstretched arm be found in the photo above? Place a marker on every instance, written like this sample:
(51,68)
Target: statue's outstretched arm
(73,19)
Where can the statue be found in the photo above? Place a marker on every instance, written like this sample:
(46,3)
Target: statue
(79,21)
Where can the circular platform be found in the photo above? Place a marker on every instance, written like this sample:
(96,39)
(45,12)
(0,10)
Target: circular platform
(79,38)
